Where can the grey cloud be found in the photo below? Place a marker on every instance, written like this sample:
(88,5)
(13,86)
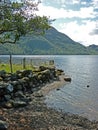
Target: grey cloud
(94,32)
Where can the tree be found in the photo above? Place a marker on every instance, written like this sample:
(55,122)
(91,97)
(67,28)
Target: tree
(18,19)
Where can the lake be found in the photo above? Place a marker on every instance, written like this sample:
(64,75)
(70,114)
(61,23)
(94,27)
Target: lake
(74,97)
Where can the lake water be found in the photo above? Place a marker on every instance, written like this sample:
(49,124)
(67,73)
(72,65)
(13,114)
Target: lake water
(74,97)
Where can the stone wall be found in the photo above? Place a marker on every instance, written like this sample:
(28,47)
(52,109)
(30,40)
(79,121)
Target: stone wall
(15,89)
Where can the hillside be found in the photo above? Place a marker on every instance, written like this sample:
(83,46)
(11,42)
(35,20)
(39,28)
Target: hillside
(53,42)
(93,49)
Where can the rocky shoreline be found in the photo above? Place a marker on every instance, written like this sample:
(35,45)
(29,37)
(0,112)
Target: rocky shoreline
(22,104)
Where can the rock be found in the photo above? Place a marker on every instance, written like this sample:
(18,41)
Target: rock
(25,79)
(15,83)
(34,79)
(19,94)
(3,125)
(2,73)
(25,73)
(3,85)
(18,87)
(15,86)
(1,79)
(88,86)
(42,68)
(10,88)
(8,105)
(19,104)
(26,99)
(14,77)
(58,89)
(39,95)
(59,72)
(7,97)
(68,79)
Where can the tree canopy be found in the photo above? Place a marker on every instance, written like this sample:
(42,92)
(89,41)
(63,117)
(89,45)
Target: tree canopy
(18,19)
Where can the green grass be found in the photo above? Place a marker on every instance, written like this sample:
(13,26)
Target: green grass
(19,66)
(15,67)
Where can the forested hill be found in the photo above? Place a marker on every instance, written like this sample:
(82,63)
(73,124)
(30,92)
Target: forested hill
(53,42)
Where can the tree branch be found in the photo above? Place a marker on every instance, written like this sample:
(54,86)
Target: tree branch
(4,31)
(8,41)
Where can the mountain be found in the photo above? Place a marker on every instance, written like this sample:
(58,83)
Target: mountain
(93,49)
(52,42)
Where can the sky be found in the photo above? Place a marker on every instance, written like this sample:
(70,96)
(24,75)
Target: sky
(76,18)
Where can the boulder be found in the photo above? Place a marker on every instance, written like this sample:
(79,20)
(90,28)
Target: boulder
(68,79)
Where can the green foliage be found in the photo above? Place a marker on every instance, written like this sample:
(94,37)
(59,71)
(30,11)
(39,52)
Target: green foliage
(15,21)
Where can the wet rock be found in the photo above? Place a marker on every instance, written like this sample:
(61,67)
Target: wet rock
(58,89)
(3,125)
(88,86)
(68,79)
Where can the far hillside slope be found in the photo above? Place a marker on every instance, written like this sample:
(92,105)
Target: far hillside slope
(52,42)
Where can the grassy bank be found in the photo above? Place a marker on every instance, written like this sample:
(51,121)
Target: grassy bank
(15,67)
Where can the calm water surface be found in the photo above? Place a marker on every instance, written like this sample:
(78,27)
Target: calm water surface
(75,97)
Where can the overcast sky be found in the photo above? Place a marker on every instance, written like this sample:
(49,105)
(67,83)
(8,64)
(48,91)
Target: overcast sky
(76,18)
